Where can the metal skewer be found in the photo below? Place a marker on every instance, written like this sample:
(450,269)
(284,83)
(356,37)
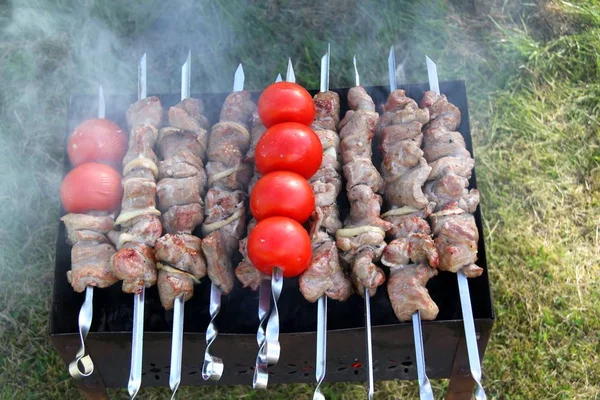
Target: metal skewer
(463,283)
(137,339)
(425,390)
(213,366)
(368,328)
(179,303)
(83,366)
(321,365)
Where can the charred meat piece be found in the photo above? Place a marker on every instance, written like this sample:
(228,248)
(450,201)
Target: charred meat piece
(91,252)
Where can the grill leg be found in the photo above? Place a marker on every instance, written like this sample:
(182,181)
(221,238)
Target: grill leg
(461,384)
(92,388)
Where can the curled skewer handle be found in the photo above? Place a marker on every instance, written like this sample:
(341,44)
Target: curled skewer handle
(369,337)
(321,346)
(425,390)
(261,374)
(212,368)
(82,365)
(137,344)
(471,338)
(271,349)
(176,345)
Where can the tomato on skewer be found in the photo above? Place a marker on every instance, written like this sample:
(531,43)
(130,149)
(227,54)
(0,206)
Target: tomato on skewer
(289,146)
(91,187)
(97,140)
(282,193)
(279,242)
(286,102)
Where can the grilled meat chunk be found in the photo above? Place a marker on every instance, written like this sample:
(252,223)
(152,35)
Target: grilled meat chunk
(408,294)
(91,252)
(171,284)
(135,265)
(147,111)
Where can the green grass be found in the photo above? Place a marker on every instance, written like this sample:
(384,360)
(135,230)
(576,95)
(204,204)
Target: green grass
(533,75)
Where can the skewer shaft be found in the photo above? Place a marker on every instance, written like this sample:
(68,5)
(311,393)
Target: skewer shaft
(82,365)
(321,346)
(425,390)
(137,344)
(369,337)
(470,336)
(176,344)
(212,368)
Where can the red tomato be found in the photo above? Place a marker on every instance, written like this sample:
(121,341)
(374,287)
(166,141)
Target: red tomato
(285,102)
(282,193)
(91,186)
(279,242)
(289,147)
(97,140)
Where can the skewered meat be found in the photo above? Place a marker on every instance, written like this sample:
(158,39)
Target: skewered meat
(362,239)
(325,275)
(180,191)
(228,176)
(454,228)
(412,254)
(134,263)
(245,271)
(91,252)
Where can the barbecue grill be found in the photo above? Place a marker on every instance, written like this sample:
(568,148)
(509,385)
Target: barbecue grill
(109,339)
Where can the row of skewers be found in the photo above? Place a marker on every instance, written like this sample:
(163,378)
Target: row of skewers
(201,180)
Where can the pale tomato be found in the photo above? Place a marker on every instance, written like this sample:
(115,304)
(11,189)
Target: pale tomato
(97,140)
(91,187)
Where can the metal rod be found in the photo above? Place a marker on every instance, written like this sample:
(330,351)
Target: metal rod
(82,365)
(137,344)
(320,368)
(137,339)
(425,390)
(101,103)
(213,367)
(176,345)
(368,331)
(271,348)
(470,336)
